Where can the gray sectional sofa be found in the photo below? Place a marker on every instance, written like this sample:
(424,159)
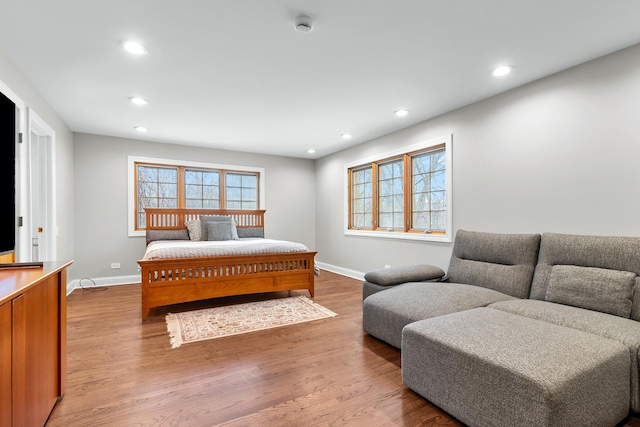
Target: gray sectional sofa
(523,330)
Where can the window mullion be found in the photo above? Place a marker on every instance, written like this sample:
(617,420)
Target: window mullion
(350,198)
(407,192)
(181,192)
(374,191)
(223,189)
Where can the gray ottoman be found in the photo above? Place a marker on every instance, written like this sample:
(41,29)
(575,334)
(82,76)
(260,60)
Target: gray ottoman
(491,368)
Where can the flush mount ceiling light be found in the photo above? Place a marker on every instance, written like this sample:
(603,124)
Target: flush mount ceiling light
(141,129)
(401,113)
(500,71)
(138,101)
(303,24)
(347,135)
(311,151)
(134,47)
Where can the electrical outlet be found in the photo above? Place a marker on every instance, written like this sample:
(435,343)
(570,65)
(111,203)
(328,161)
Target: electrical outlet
(115,265)
(387,266)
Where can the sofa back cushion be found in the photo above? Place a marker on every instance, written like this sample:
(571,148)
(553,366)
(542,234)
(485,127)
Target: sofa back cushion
(603,252)
(502,262)
(599,289)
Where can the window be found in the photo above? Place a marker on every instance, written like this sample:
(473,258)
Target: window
(202,189)
(391,195)
(242,191)
(159,183)
(404,194)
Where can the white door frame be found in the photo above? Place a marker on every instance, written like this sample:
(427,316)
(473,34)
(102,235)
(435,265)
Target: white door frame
(23,245)
(41,128)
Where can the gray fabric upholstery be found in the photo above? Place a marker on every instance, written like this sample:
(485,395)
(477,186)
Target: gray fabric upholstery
(369,288)
(409,273)
(502,262)
(491,368)
(245,232)
(599,289)
(384,314)
(204,219)
(604,325)
(218,230)
(613,253)
(153,235)
(635,306)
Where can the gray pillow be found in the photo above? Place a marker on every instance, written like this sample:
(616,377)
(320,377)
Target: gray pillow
(153,235)
(195,229)
(404,274)
(250,232)
(204,219)
(217,230)
(599,289)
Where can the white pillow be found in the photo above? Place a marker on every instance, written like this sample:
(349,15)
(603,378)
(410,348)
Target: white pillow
(194,228)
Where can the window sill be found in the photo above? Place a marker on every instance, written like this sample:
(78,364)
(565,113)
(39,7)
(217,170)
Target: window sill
(400,235)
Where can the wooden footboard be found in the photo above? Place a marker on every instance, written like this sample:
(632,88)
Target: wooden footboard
(172,281)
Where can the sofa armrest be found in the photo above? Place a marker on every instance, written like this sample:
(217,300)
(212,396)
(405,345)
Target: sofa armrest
(410,273)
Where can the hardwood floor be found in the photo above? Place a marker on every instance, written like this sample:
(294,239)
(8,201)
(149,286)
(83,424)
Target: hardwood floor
(123,372)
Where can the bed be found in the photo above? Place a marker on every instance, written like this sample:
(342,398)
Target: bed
(197,275)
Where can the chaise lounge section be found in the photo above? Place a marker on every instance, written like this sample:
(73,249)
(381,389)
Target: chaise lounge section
(485,268)
(565,352)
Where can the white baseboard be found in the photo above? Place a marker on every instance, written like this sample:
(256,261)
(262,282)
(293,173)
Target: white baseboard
(340,270)
(101,281)
(127,280)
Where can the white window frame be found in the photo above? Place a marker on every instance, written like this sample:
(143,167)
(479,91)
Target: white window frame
(448,235)
(131,202)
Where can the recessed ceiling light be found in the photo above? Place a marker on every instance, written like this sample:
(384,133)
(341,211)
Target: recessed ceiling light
(311,151)
(138,101)
(500,71)
(141,128)
(401,113)
(134,47)
(347,135)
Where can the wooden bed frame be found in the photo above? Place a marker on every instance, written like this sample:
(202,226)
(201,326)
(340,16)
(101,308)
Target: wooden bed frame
(172,281)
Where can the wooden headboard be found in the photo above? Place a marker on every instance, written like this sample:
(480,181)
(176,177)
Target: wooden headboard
(174,218)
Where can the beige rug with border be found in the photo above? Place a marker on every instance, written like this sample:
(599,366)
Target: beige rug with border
(217,322)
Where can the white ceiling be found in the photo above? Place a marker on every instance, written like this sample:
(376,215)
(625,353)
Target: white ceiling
(234,74)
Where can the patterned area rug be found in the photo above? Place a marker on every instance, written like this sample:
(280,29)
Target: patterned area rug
(237,319)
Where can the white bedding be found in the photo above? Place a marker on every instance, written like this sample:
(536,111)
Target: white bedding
(170,249)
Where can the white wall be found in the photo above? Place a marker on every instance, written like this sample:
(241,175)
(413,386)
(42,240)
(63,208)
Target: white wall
(561,154)
(101,198)
(16,81)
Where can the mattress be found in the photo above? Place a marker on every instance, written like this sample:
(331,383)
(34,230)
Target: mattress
(172,249)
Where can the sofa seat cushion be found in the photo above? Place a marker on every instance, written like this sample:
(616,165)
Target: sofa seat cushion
(384,314)
(615,328)
(404,274)
(487,367)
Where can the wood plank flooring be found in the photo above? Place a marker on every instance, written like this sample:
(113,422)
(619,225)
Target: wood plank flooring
(123,372)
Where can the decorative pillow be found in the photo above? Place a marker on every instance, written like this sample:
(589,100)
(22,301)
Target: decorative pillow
(607,291)
(153,235)
(194,228)
(246,232)
(204,219)
(217,230)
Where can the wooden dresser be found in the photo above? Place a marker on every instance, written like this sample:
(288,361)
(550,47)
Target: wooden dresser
(33,342)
